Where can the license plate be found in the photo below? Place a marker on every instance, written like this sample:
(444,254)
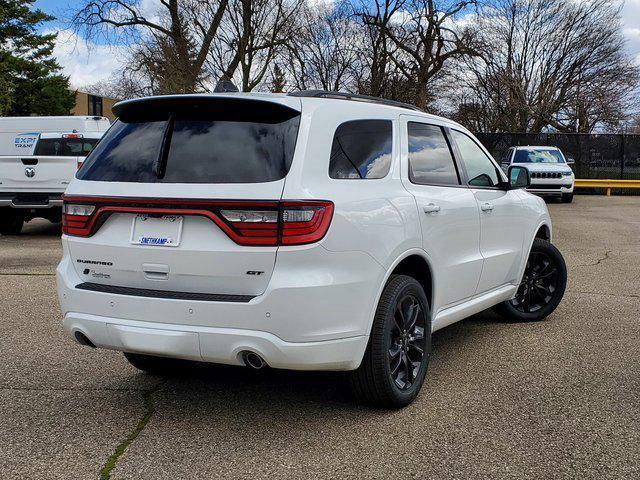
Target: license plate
(163,231)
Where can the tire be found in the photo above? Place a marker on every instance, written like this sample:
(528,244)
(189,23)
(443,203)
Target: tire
(374,381)
(567,197)
(542,287)
(158,365)
(11,221)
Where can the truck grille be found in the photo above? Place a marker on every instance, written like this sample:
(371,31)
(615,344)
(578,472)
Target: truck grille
(546,175)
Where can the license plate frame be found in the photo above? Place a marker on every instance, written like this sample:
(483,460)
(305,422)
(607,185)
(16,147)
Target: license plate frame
(156,231)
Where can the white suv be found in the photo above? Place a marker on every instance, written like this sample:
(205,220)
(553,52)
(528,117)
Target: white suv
(309,231)
(550,172)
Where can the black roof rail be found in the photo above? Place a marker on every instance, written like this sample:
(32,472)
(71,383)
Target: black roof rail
(353,97)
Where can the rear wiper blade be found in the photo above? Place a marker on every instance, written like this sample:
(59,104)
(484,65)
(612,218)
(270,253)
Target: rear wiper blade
(160,166)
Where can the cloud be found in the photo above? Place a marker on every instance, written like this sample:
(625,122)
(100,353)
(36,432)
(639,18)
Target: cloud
(631,26)
(86,62)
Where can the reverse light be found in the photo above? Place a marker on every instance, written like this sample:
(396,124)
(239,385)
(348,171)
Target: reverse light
(250,216)
(75,210)
(249,223)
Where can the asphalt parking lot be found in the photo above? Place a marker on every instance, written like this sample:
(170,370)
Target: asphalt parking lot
(556,399)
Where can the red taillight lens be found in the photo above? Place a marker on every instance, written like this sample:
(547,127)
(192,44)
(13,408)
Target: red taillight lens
(246,223)
(80,162)
(76,218)
(304,222)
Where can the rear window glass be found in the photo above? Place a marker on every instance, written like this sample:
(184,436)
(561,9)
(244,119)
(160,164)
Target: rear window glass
(361,149)
(65,147)
(223,145)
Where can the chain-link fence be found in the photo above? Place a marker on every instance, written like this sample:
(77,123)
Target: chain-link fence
(596,155)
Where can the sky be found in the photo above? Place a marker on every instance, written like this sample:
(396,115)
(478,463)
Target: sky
(87,63)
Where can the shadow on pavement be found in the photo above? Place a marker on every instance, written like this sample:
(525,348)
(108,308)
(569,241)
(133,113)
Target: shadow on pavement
(246,388)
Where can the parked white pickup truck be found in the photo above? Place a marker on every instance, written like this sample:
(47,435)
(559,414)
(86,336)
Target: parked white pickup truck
(38,158)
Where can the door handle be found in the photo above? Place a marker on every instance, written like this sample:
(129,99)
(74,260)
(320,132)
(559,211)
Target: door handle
(431,208)
(486,207)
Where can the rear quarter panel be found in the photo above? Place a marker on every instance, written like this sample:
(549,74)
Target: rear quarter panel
(376,216)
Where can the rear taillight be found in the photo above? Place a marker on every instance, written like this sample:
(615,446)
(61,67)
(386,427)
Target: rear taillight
(304,222)
(291,222)
(76,218)
(80,162)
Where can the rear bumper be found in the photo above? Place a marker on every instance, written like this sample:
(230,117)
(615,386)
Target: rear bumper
(31,200)
(216,345)
(314,315)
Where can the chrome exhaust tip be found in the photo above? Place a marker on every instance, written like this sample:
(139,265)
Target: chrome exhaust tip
(253,360)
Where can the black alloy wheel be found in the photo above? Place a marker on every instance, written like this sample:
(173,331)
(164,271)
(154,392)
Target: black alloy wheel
(539,283)
(407,342)
(542,286)
(395,362)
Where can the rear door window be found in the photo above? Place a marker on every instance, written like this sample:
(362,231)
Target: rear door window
(216,145)
(361,149)
(430,158)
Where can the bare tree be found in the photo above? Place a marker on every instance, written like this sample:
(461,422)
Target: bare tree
(421,37)
(548,63)
(253,34)
(171,44)
(323,53)
(376,73)
(278,81)
(121,86)
(606,96)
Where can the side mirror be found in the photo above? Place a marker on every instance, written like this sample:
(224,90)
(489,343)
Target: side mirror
(518,177)
(570,161)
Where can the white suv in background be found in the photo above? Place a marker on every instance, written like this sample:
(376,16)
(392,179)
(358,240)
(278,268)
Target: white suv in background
(550,172)
(308,231)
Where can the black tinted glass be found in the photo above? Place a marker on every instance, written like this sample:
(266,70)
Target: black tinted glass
(206,151)
(361,149)
(69,147)
(430,159)
(127,153)
(223,141)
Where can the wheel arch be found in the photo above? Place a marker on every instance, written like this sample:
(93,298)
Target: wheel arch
(411,262)
(543,231)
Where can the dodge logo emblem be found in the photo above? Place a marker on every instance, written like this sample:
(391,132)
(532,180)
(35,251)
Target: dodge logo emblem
(30,172)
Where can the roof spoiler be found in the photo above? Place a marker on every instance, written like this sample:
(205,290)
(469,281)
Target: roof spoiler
(223,106)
